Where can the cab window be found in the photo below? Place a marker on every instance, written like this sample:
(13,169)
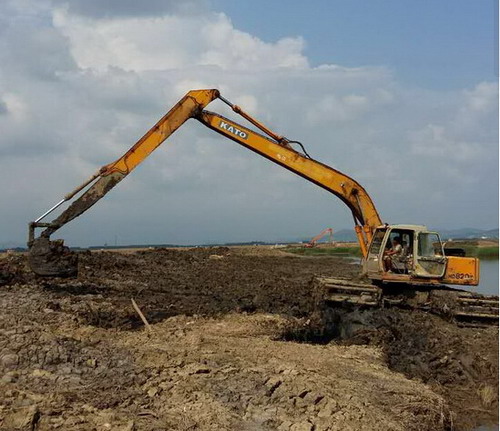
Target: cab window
(378,237)
(429,245)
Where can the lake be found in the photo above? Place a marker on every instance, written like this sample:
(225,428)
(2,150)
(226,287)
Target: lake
(488,282)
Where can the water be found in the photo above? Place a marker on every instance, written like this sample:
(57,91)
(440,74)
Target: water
(488,283)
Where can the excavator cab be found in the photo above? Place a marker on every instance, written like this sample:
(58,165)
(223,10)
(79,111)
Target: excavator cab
(422,260)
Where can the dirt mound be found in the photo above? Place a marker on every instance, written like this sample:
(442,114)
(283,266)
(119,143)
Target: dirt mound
(460,363)
(246,380)
(168,282)
(14,269)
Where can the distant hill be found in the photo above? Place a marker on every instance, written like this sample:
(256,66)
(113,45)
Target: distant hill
(10,245)
(342,235)
(464,233)
(469,233)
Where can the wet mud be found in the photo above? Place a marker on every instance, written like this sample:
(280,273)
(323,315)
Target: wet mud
(238,342)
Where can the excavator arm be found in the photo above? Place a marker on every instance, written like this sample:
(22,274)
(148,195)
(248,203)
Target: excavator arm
(110,175)
(51,258)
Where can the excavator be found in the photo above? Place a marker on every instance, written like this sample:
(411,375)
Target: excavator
(424,265)
(323,233)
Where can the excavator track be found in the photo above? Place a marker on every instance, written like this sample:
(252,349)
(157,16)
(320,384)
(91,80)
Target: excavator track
(464,307)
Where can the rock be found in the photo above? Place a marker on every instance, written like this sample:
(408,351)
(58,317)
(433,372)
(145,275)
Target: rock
(328,409)
(302,426)
(285,426)
(272,384)
(152,392)
(195,368)
(215,257)
(9,360)
(7,378)
(129,426)
(322,424)
(202,370)
(23,419)
(37,372)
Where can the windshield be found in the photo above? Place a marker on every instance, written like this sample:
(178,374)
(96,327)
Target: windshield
(377,241)
(429,245)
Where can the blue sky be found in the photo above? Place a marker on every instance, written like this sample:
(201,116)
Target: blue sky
(443,44)
(400,95)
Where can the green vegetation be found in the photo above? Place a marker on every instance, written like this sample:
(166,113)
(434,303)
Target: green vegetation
(333,251)
(485,252)
(471,250)
(475,249)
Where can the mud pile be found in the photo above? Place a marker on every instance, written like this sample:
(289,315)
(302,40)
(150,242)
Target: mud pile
(75,356)
(205,281)
(460,363)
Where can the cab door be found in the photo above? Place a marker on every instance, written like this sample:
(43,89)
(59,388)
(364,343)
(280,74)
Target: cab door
(430,261)
(373,262)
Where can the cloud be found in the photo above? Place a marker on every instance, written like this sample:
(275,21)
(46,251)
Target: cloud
(434,141)
(97,9)
(3,108)
(172,42)
(82,81)
(467,136)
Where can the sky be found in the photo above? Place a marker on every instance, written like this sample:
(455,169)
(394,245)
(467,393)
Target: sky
(400,95)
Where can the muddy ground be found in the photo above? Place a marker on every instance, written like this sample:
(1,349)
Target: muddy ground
(236,342)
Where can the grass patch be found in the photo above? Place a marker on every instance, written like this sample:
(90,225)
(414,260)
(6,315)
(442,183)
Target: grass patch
(331,251)
(474,250)
(487,252)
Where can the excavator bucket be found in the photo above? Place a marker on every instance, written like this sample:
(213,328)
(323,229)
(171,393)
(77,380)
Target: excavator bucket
(52,258)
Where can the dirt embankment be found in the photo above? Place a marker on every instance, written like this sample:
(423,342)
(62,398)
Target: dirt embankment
(75,356)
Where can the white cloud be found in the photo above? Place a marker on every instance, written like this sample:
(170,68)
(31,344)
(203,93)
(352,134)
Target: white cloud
(99,9)
(81,87)
(467,136)
(172,42)
(483,98)
(433,142)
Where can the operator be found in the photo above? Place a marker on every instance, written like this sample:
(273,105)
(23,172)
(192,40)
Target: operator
(393,255)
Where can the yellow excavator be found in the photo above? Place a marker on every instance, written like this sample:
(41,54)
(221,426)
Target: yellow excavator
(328,231)
(421,259)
